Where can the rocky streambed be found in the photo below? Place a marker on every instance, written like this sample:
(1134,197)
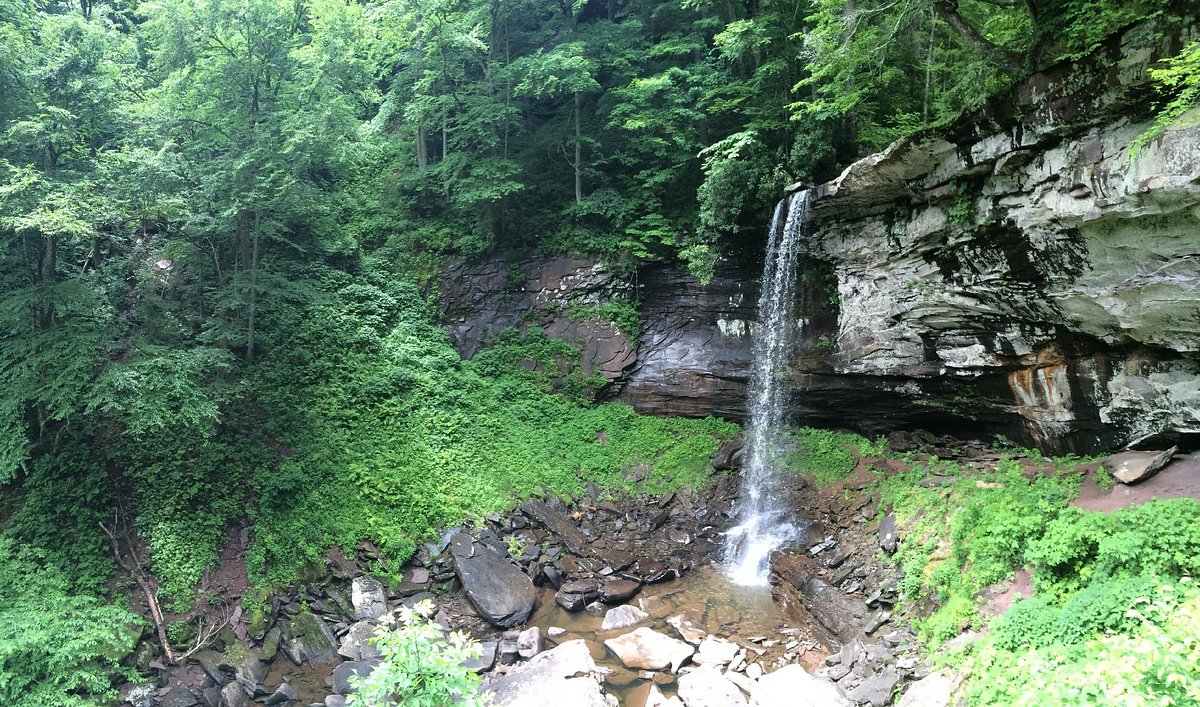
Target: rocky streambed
(596,601)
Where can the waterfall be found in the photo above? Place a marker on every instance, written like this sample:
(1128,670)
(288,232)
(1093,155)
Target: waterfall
(763,522)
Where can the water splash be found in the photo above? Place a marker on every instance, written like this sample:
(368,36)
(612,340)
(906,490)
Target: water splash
(763,520)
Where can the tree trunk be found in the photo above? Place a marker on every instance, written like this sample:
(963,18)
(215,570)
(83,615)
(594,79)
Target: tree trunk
(422,147)
(578,155)
(928,68)
(253,289)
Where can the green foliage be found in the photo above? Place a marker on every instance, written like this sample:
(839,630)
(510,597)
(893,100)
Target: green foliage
(622,313)
(420,667)
(393,437)
(957,614)
(828,456)
(59,648)
(1150,661)
(1179,80)
(1079,548)
(970,534)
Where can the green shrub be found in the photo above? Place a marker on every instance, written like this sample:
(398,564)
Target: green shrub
(420,667)
(393,437)
(1151,662)
(1027,622)
(57,648)
(827,456)
(952,617)
(1078,547)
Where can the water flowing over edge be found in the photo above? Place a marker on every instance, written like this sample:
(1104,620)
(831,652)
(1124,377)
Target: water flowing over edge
(763,522)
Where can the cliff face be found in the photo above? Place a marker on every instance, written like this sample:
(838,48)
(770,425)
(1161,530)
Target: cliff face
(692,353)
(1015,272)
(1019,269)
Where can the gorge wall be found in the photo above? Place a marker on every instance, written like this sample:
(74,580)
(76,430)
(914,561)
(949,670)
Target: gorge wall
(1015,272)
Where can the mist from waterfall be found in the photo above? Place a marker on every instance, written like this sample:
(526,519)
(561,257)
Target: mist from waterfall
(763,519)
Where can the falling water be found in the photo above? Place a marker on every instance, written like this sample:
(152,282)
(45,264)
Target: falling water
(763,522)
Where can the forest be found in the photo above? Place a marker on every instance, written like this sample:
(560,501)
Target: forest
(223,225)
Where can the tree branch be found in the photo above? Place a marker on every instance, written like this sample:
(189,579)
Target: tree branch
(948,11)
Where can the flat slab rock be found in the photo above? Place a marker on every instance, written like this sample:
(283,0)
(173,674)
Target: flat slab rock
(791,685)
(570,535)
(1132,467)
(621,617)
(566,675)
(648,649)
(501,593)
(707,687)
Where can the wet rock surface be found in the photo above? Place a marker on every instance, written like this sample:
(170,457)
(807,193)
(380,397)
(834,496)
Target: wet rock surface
(498,589)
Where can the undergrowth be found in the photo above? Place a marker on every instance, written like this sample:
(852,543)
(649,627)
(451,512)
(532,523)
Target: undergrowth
(391,436)
(828,456)
(1114,614)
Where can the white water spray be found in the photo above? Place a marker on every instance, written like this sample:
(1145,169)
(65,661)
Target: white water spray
(763,523)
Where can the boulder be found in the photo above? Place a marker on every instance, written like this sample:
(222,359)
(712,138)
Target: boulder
(138,695)
(889,538)
(283,695)
(877,689)
(559,524)
(655,698)
(933,690)
(341,675)
(178,697)
(791,685)
(615,591)
(1132,467)
(356,644)
(689,631)
(486,659)
(577,594)
(715,651)
(530,642)
(501,593)
(835,611)
(368,597)
(707,687)
(648,649)
(566,675)
(335,701)
(623,617)
(723,460)
(309,640)
(234,695)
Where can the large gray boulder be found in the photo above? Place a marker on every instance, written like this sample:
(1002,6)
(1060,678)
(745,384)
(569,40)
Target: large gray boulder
(501,593)
(648,649)
(310,640)
(566,675)
(357,645)
(933,690)
(1132,467)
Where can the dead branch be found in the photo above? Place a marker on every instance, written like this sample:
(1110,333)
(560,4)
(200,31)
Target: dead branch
(133,565)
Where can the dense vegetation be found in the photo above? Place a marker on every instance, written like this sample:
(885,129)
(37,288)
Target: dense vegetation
(222,222)
(1113,617)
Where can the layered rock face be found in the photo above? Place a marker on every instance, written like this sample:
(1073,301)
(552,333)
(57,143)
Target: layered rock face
(690,356)
(1016,272)
(1020,269)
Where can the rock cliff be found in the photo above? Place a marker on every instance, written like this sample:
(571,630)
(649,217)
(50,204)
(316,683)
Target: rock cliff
(1020,269)
(1015,272)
